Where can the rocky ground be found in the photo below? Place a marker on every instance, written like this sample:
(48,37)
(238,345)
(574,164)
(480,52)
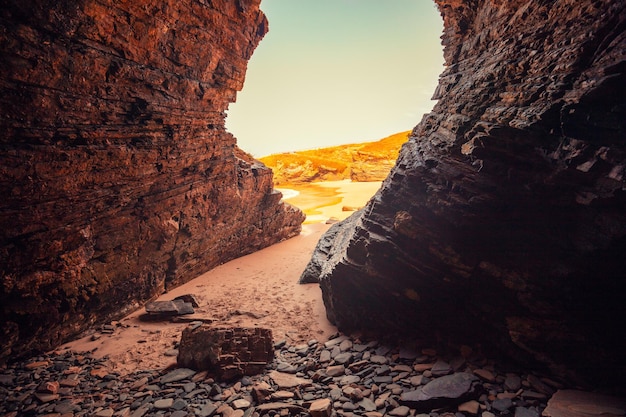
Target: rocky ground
(340,377)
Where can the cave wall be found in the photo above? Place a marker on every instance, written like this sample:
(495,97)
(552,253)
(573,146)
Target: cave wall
(503,222)
(118,179)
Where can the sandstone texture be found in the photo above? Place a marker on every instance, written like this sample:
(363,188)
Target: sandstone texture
(117,176)
(504,219)
(368,161)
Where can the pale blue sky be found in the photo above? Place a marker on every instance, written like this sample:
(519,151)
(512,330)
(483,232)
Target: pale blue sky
(331,72)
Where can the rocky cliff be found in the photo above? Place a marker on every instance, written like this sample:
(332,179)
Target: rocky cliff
(368,161)
(118,179)
(503,222)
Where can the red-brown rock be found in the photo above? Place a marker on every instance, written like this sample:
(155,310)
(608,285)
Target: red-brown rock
(117,176)
(227,352)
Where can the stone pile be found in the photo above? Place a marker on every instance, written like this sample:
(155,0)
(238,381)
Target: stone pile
(341,377)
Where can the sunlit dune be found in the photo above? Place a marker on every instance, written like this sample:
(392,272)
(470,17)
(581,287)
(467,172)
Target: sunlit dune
(367,161)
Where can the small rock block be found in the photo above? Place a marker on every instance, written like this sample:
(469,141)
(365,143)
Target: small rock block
(229,353)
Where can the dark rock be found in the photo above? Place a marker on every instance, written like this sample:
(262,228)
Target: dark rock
(178,374)
(525,412)
(511,190)
(169,308)
(513,383)
(229,352)
(188,298)
(206,410)
(446,390)
(502,404)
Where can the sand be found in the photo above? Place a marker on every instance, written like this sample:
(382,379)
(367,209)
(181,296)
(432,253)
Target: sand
(260,289)
(322,201)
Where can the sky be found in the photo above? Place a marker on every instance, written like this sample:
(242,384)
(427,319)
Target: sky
(332,72)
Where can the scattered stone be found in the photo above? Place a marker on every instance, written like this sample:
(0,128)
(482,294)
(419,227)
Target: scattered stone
(46,398)
(273,406)
(512,382)
(416,380)
(188,298)
(539,385)
(177,375)
(502,404)
(229,352)
(459,387)
(441,368)
(283,380)
(527,412)
(282,395)
(321,408)
(367,404)
(485,374)
(169,308)
(470,407)
(37,364)
(343,358)
(51,387)
(206,410)
(375,381)
(401,411)
(164,404)
(240,403)
(421,367)
(335,370)
(179,404)
(325,356)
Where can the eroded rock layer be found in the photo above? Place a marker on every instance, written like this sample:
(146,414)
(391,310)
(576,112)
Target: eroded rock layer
(118,178)
(504,219)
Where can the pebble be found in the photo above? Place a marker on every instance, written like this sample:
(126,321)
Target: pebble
(341,377)
(401,411)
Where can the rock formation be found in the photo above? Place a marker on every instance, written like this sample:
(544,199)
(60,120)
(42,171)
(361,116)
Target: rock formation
(118,178)
(504,219)
(368,161)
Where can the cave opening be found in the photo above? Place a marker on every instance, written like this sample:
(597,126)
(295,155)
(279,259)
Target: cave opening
(331,94)
(329,73)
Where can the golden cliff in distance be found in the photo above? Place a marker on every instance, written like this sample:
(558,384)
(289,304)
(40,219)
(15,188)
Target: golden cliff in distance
(362,162)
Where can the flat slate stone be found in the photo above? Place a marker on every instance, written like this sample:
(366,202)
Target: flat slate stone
(279,406)
(164,403)
(173,308)
(284,380)
(449,389)
(177,375)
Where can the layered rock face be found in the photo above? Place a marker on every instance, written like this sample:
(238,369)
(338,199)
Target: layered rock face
(504,220)
(118,178)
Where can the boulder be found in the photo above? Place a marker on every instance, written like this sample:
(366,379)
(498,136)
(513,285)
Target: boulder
(228,353)
(503,222)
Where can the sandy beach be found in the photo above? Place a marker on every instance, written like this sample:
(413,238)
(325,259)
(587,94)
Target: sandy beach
(259,289)
(322,201)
